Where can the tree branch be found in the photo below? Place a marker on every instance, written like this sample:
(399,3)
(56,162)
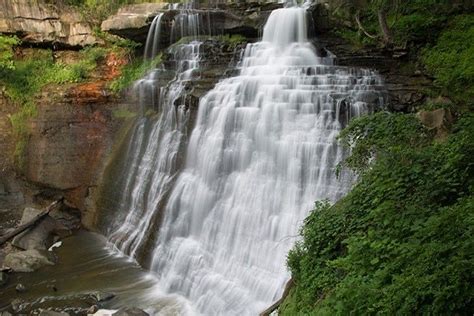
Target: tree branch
(362,28)
(27,225)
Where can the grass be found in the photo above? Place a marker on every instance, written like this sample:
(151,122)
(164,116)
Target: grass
(25,78)
(132,72)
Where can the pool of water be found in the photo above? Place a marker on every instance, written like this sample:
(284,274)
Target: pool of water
(86,264)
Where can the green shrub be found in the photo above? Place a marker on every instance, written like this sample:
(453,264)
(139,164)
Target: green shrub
(132,72)
(451,60)
(23,79)
(401,242)
(6,51)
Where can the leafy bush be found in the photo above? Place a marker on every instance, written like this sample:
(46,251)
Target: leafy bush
(6,51)
(95,11)
(401,242)
(232,40)
(451,60)
(23,79)
(132,72)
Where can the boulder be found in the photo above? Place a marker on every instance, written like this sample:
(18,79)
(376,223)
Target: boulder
(39,236)
(133,21)
(130,311)
(28,260)
(52,313)
(101,296)
(3,278)
(439,120)
(20,288)
(40,23)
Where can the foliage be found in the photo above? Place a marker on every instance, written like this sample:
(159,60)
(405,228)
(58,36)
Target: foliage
(410,22)
(30,75)
(116,43)
(451,60)
(371,137)
(6,51)
(232,40)
(26,77)
(401,242)
(132,72)
(95,11)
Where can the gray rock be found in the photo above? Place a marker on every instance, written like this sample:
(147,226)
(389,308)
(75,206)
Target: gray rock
(101,296)
(3,278)
(52,313)
(20,288)
(18,304)
(45,24)
(38,236)
(92,310)
(133,21)
(134,16)
(130,311)
(5,313)
(28,260)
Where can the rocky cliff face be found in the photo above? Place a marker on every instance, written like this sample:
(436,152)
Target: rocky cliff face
(133,21)
(38,23)
(74,131)
(68,140)
(405,83)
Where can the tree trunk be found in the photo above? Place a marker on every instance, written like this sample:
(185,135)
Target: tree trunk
(387,35)
(277,304)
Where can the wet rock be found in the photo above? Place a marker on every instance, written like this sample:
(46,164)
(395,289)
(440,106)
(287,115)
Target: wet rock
(92,310)
(130,311)
(102,296)
(133,20)
(18,305)
(3,278)
(20,288)
(104,312)
(5,313)
(69,140)
(39,23)
(28,260)
(52,313)
(75,304)
(52,287)
(39,236)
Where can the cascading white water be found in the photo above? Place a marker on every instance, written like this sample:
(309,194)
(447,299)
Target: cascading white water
(263,150)
(155,145)
(153,37)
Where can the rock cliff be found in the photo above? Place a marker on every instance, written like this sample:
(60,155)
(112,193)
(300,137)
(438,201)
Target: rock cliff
(38,23)
(73,132)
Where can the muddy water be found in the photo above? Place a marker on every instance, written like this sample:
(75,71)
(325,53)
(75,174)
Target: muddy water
(87,265)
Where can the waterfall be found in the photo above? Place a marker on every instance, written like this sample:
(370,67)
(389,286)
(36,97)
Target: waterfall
(263,150)
(155,147)
(153,37)
(214,213)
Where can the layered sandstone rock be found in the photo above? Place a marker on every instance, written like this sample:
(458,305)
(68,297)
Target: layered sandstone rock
(39,23)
